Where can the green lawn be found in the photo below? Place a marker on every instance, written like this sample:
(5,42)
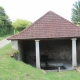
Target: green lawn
(7,51)
(66,75)
(11,69)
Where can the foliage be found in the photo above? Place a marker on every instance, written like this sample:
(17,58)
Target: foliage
(20,24)
(76,13)
(5,23)
(6,35)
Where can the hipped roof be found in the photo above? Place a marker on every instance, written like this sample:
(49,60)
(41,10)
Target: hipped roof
(49,26)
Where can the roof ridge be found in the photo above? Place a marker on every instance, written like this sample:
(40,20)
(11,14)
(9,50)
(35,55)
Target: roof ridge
(35,22)
(31,24)
(65,19)
(50,25)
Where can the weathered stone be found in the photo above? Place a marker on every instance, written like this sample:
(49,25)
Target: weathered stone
(78,69)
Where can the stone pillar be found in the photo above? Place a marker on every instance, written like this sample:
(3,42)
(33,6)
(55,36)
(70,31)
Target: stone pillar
(16,46)
(37,54)
(74,54)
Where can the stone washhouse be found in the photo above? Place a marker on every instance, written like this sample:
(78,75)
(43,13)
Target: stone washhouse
(49,43)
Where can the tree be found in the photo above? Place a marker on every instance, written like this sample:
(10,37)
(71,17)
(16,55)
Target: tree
(5,23)
(76,13)
(20,24)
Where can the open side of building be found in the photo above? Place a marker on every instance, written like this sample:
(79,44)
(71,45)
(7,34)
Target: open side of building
(49,43)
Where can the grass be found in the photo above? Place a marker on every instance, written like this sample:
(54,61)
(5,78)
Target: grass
(11,69)
(66,75)
(7,51)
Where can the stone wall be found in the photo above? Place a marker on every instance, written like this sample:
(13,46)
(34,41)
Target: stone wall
(78,51)
(56,49)
(29,51)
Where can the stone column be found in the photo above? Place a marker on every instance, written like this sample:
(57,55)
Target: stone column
(37,54)
(16,46)
(74,54)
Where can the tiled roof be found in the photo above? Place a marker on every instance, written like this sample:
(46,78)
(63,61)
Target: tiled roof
(51,25)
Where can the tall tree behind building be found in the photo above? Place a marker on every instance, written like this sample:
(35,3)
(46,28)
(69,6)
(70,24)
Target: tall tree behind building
(76,13)
(20,24)
(5,23)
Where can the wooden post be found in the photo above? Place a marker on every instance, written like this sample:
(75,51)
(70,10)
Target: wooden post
(58,68)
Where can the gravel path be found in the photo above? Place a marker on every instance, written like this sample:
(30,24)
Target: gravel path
(4,42)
